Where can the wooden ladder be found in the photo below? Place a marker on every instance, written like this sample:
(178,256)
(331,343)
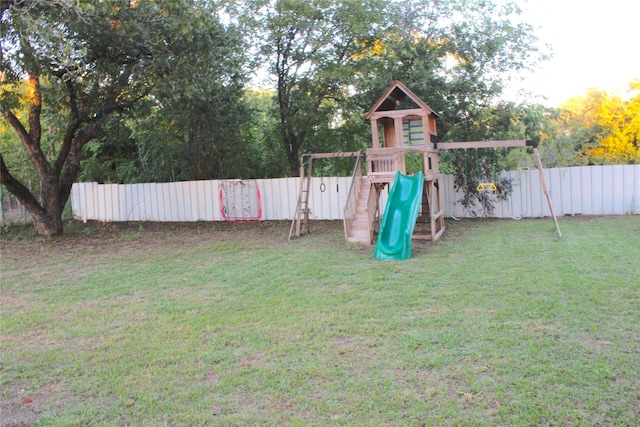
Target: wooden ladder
(301,218)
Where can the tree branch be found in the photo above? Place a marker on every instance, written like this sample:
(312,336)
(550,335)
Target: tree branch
(32,147)
(70,173)
(72,127)
(15,187)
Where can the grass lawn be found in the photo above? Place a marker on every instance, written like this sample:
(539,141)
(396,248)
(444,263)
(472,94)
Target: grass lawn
(499,323)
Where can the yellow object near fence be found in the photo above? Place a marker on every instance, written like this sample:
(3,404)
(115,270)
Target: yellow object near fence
(487,186)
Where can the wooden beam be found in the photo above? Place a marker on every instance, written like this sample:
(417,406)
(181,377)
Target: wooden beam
(393,114)
(486,144)
(546,190)
(404,149)
(397,128)
(331,155)
(375,134)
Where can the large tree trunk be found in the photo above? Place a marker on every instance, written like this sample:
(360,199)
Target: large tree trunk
(292,143)
(55,180)
(47,224)
(46,216)
(292,155)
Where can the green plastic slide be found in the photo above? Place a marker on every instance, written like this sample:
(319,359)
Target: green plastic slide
(399,219)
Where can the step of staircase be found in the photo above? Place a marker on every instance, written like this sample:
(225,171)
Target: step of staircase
(359,232)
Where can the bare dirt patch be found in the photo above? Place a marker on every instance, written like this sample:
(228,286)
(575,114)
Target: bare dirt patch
(94,237)
(21,405)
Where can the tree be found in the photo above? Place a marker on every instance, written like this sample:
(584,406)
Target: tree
(84,62)
(310,48)
(11,147)
(263,130)
(602,128)
(194,126)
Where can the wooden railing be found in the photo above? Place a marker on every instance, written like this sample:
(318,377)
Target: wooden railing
(382,163)
(352,198)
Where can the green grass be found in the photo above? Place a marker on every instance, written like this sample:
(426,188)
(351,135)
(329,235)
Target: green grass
(499,323)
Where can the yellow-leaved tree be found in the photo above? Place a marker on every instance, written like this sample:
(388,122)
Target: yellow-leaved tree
(604,128)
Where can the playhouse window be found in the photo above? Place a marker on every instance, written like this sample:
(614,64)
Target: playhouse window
(412,132)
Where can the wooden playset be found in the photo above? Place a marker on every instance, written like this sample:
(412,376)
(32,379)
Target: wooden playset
(401,123)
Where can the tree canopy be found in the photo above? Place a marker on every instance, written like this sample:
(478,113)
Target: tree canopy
(602,128)
(86,63)
(308,48)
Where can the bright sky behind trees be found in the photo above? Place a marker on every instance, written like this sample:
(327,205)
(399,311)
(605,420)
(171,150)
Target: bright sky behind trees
(594,45)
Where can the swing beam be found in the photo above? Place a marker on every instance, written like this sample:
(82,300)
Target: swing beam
(487,144)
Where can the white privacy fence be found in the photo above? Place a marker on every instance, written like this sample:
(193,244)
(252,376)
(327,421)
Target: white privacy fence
(200,200)
(585,190)
(588,190)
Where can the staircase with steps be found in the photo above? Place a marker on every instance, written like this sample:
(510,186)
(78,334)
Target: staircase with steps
(359,232)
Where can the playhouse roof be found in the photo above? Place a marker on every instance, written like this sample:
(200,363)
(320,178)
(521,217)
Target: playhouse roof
(394,95)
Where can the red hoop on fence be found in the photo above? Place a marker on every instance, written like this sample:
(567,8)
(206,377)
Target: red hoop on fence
(240,200)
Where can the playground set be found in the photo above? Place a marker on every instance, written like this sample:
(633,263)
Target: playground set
(401,123)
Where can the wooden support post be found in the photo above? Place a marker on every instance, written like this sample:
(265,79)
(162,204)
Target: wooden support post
(546,190)
(434,208)
(375,136)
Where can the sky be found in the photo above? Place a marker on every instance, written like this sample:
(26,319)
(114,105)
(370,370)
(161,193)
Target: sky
(595,44)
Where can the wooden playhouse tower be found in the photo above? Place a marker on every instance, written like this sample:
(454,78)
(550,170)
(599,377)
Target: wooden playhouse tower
(401,124)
